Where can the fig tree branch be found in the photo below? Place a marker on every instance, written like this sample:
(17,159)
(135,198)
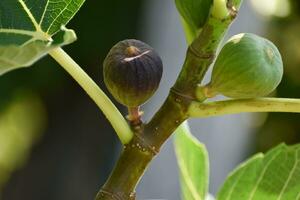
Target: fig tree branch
(97,95)
(199,57)
(217,108)
(150,137)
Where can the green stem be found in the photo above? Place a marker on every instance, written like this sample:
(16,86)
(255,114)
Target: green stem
(166,120)
(140,151)
(129,169)
(198,109)
(200,55)
(92,89)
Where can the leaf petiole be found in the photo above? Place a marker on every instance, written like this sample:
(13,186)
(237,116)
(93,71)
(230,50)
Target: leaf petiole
(97,95)
(235,106)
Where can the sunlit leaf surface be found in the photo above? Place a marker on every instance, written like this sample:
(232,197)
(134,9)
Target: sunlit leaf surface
(31,28)
(273,176)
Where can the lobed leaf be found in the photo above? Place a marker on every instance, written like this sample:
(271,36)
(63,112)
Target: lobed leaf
(29,29)
(274,176)
(192,160)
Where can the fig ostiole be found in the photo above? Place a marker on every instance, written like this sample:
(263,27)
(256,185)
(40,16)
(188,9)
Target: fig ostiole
(248,66)
(132,72)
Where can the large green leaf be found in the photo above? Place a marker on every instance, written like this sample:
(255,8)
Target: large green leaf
(192,160)
(31,28)
(194,14)
(274,176)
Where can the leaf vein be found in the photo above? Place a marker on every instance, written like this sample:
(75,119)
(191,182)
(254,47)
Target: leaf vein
(44,13)
(262,175)
(290,176)
(31,17)
(188,181)
(234,184)
(35,34)
(61,12)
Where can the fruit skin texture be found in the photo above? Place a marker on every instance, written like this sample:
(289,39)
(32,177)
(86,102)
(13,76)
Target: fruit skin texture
(132,71)
(248,66)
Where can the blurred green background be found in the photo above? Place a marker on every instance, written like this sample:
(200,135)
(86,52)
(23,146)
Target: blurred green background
(54,141)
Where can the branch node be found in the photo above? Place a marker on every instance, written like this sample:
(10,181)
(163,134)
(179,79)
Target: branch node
(180,96)
(201,55)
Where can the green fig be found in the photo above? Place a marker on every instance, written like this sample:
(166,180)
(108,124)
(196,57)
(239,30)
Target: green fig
(248,66)
(132,71)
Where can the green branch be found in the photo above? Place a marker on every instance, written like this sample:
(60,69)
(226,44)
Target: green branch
(201,52)
(210,109)
(104,103)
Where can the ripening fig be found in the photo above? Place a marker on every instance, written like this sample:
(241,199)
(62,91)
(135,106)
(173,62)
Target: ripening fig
(132,72)
(248,66)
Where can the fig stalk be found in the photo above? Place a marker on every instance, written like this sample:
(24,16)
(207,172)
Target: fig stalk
(134,115)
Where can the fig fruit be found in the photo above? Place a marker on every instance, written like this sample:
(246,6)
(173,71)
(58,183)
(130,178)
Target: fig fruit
(248,66)
(132,71)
